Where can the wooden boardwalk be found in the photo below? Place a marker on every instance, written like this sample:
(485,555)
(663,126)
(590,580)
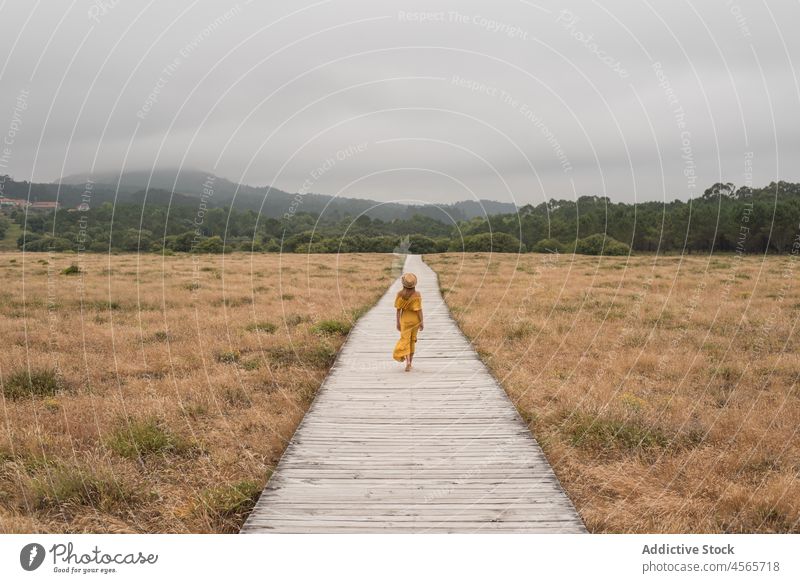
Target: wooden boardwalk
(437,449)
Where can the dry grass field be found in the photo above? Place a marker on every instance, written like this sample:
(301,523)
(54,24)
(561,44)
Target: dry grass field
(663,390)
(156,394)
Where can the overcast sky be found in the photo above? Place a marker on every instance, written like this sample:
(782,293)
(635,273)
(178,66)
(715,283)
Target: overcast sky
(428,101)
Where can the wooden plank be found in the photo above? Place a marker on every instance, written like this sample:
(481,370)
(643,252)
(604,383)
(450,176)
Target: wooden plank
(438,449)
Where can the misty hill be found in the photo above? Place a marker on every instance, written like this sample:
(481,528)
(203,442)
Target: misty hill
(270,202)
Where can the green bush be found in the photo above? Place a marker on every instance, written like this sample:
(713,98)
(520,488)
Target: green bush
(73,269)
(45,243)
(442,245)
(549,246)
(210,245)
(272,245)
(421,244)
(599,244)
(36,383)
(484,242)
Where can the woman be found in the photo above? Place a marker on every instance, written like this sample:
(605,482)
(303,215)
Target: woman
(409,319)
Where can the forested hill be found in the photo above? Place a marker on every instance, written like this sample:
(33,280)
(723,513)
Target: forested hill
(219,192)
(724,219)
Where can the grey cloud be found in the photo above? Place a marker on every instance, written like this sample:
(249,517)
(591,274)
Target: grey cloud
(535,83)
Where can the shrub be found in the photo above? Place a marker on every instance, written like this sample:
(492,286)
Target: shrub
(73,269)
(421,244)
(213,244)
(599,244)
(549,246)
(495,242)
(141,438)
(34,383)
(331,328)
(46,243)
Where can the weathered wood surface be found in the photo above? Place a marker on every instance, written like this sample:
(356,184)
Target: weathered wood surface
(437,449)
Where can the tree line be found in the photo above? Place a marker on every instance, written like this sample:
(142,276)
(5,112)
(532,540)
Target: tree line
(724,218)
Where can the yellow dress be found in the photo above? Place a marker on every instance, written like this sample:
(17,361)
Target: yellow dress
(409,324)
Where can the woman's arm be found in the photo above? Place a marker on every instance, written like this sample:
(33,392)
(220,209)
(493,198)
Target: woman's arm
(398,318)
(420,320)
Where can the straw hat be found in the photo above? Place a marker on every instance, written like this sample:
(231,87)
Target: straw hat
(409,280)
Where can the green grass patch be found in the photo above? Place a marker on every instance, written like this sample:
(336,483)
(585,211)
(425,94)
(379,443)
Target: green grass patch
(520,330)
(319,356)
(73,269)
(237,398)
(145,437)
(9,242)
(226,506)
(331,328)
(233,302)
(356,313)
(101,305)
(229,357)
(265,327)
(297,319)
(70,486)
(609,433)
(282,355)
(34,383)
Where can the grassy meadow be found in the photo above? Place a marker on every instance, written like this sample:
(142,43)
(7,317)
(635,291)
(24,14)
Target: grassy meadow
(663,390)
(156,394)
